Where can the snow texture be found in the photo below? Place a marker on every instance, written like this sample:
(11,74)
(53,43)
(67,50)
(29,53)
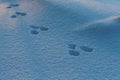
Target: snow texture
(59,40)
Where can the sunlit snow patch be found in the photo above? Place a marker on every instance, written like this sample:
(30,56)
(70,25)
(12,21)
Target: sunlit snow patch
(104,26)
(2,9)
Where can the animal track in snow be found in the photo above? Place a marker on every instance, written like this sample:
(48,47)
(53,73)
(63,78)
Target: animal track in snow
(74,53)
(12,5)
(34,32)
(38,27)
(86,48)
(13,16)
(34,27)
(44,28)
(72,49)
(21,13)
(72,46)
(9,7)
(18,14)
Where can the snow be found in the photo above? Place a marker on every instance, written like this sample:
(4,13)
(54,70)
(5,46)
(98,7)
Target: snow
(59,40)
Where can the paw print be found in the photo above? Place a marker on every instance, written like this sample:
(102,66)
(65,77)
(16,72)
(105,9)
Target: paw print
(86,48)
(72,49)
(37,29)
(12,5)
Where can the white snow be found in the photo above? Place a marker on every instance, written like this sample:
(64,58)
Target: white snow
(59,40)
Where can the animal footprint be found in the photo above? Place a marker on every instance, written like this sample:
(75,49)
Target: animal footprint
(44,28)
(34,27)
(13,16)
(9,7)
(38,27)
(74,53)
(13,5)
(86,48)
(72,50)
(34,32)
(72,46)
(17,14)
(21,13)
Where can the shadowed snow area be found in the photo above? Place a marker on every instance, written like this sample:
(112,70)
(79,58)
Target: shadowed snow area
(59,40)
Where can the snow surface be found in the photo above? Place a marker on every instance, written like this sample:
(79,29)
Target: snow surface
(59,40)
